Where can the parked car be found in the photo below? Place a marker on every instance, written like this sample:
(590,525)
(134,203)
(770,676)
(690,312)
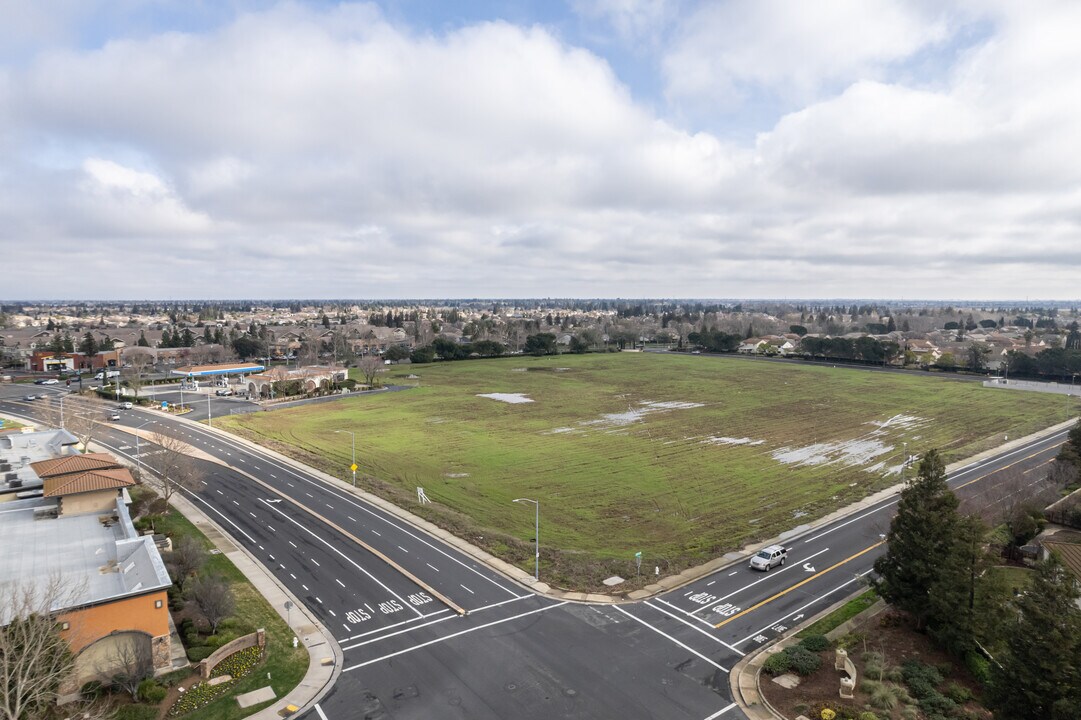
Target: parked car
(223,392)
(768,557)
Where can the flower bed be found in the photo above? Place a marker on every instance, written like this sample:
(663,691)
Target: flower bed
(237,665)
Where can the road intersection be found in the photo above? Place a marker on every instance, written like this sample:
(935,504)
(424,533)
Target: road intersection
(428,631)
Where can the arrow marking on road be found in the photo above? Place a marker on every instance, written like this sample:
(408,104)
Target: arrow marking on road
(809,567)
(800,584)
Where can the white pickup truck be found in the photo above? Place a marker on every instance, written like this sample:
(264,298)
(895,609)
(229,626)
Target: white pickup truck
(766,558)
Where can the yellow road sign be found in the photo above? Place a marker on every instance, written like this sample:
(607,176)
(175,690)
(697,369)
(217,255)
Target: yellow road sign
(353,467)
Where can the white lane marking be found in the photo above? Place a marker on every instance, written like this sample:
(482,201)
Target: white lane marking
(236,503)
(373,513)
(388,627)
(292,576)
(451,636)
(664,634)
(293,544)
(402,549)
(711,636)
(316,562)
(322,715)
(433,567)
(251,513)
(714,716)
(262,548)
(399,632)
(309,495)
(333,614)
(273,476)
(765,577)
(351,518)
(318,600)
(733,573)
(501,602)
(463,587)
(801,609)
(304,586)
(681,610)
(272,528)
(343,555)
(219,492)
(858,517)
(241,459)
(250,538)
(329,505)
(339,582)
(376,532)
(710,583)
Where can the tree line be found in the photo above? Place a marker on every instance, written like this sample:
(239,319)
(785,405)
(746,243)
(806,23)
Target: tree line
(1025,648)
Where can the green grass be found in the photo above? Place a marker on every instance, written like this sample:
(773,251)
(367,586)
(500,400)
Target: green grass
(841,615)
(285,664)
(658,485)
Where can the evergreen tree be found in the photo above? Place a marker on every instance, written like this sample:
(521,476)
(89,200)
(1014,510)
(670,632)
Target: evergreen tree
(891,326)
(920,536)
(142,341)
(1039,675)
(89,346)
(953,597)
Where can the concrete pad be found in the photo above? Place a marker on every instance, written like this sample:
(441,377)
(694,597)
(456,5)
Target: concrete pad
(788,680)
(614,580)
(255,697)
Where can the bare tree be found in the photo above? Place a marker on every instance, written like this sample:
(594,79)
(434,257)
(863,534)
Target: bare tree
(129,664)
(34,659)
(215,599)
(172,467)
(83,423)
(187,558)
(370,365)
(140,363)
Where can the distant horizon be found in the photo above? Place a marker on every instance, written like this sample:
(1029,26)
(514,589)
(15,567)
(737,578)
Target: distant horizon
(1013,303)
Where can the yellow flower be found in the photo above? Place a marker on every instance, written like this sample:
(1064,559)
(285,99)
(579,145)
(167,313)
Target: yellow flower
(828,714)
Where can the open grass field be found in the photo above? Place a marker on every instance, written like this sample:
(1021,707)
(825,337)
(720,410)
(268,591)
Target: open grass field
(683,458)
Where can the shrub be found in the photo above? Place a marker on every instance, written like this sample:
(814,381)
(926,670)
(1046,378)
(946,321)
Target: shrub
(894,674)
(958,693)
(979,666)
(815,643)
(802,661)
(910,712)
(91,690)
(776,664)
(828,714)
(850,640)
(199,652)
(151,693)
(136,712)
(883,697)
(868,716)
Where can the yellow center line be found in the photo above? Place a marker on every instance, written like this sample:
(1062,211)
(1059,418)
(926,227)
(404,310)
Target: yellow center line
(800,584)
(1007,467)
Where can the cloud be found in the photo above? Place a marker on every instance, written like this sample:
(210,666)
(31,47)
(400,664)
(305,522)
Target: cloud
(331,152)
(727,50)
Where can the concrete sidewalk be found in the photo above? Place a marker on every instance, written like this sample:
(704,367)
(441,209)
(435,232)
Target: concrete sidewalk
(324,654)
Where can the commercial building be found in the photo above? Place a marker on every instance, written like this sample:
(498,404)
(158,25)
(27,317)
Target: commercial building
(77,548)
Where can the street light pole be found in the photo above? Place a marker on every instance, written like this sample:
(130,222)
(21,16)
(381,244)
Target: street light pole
(353,466)
(536,535)
(138,453)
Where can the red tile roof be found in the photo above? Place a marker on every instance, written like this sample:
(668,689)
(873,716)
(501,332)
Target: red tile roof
(112,478)
(54,467)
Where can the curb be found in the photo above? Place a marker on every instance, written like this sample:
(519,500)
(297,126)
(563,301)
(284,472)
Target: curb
(666,584)
(318,678)
(745,679)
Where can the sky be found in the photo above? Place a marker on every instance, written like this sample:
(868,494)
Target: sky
(197,149)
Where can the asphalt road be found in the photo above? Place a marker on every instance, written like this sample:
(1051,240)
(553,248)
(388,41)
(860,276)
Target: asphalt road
(408,654)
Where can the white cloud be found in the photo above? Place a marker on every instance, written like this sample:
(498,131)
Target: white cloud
(791,48)
(302,152)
